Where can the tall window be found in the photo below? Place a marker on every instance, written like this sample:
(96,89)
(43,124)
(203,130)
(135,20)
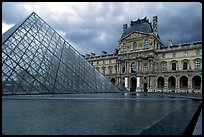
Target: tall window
(124,48)
(134,45)
(197,65)
(173,66)
(185,53)
(110,70)
(123,69)
(197,52)
(174,54)
(133,67)
(185,65)
(110,61)
(145,67)
(163,55)
(164,66)
(104,70)
(145,44)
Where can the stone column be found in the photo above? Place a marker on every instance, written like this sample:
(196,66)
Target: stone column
(138,67)
(150,83)
(155,83)
(177,84)
(189,84)
(126,82)
(128,67)
(138,87)
(115,68)
(165,84)
(151,67)
(139,64)
(119,71)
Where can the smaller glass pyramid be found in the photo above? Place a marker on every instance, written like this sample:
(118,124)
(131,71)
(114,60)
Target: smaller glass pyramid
(37,60)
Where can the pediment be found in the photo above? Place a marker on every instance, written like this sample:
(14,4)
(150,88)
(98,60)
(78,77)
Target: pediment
(134,35)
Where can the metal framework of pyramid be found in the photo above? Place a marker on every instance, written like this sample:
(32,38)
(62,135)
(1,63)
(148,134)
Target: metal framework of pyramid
(37,60)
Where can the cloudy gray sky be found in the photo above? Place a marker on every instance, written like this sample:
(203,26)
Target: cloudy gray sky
(96,26)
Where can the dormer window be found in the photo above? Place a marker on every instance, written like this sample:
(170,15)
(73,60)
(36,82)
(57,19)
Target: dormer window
(197,52)
(134,45)
(145,44)
(174,54)
(185,53)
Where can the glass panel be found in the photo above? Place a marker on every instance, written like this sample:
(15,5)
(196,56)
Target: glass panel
(38,60)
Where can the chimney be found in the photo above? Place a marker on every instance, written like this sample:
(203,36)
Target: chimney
(170,43)
(104,52)
(116,51)
(87,56)
(155,25)
(124,27)
(93,54)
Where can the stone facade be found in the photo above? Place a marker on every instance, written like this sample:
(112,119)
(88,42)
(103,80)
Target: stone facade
(142,63)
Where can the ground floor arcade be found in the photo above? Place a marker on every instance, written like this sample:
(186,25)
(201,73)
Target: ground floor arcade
(160,83)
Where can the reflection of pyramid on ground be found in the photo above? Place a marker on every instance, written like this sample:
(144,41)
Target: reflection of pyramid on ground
(36,59)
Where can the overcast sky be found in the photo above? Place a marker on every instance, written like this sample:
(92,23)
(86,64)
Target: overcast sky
(95,26)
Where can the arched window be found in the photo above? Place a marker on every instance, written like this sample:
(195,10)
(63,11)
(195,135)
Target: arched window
(173,65)
(185,65)
(133,67)
(134,45)
(197,65)
(145,44)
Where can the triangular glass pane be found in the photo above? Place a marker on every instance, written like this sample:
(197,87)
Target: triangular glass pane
(47,63)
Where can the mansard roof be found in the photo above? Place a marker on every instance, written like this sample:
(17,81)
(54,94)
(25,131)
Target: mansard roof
(141,25)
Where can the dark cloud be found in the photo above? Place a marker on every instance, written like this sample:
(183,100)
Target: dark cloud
(181,24)
(11,13)
(93,27)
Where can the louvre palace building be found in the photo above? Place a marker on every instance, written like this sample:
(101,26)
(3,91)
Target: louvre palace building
(142,63)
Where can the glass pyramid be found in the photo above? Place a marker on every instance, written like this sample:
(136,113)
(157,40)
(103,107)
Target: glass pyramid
(37,60)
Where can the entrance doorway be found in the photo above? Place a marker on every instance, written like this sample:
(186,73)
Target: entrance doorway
(145,87)
(196,82)
(132,84)
(160,83)
(171,82)
(113,81)
(183,82)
